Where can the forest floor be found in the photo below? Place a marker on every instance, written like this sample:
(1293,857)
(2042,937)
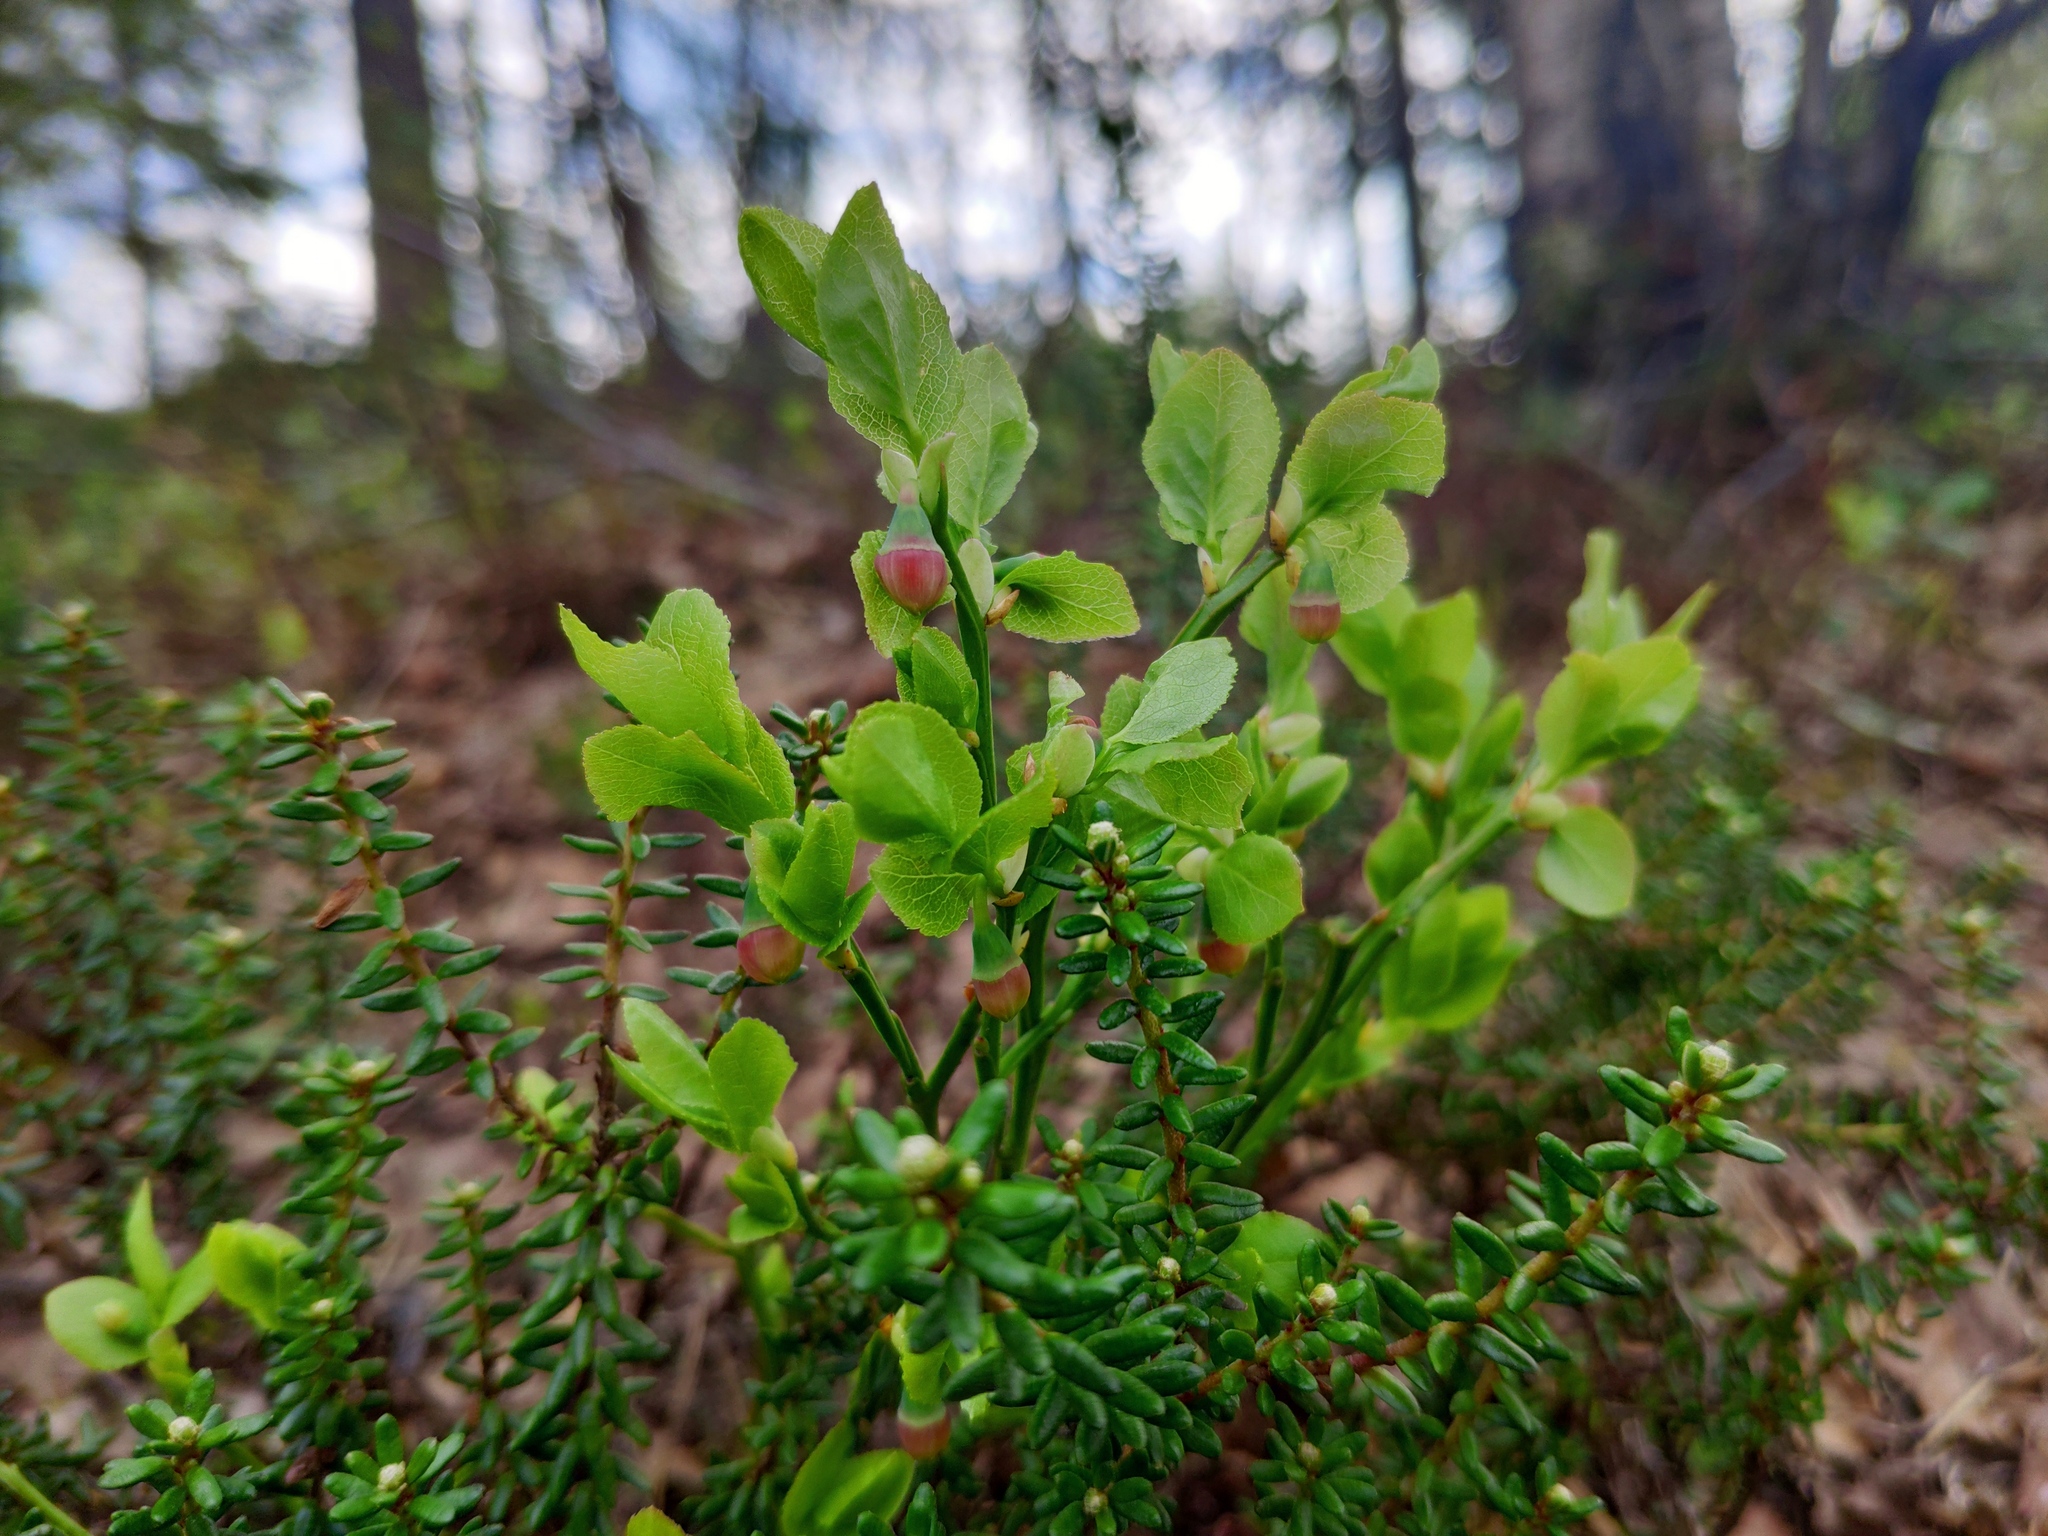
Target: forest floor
(1923,682)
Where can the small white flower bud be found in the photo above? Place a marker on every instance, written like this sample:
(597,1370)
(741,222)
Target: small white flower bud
(1309,1454)
(1716,1062)
(919,1161)
(1072,1150)
(1324,1299)
(1094,1501)
(183,1430)
(391,1477)
(1169,1268)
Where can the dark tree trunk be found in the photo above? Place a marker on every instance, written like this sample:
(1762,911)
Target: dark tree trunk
(405,202)
(1403,146)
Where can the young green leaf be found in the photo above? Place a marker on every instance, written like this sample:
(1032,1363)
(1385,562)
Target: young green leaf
(993,437)
(750,1066)
(671,1075)
(866,313)
(1183,690)
(248,1260)
(100,1321)
(1451,964)
(1588,863)
(781,254)
(1211,447)
(801,872)
(1367,550)
(917,881)
(907,775)
(1253,889)
(1064,598)
(144,1250)
(1360,446)
(1399,855)
(630,767)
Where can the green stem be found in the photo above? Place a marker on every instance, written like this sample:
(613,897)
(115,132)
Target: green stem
(16,1482)
(974,650)
(853,965)
(1073,997)
(681,1226)
(1272,985)
(1356,961)
(1031,1066)
(815,1221)
(1219,605)
(958,1044)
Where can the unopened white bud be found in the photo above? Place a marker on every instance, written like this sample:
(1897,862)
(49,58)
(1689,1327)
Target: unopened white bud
(391,1477)
(183,1430)
(920,1160)
(1323,1298)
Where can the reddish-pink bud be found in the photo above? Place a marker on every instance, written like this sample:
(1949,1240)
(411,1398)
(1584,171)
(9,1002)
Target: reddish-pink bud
(1005,997)
(924,1440)
(911,566)
(1222,956)
(769,954)
(1314,610)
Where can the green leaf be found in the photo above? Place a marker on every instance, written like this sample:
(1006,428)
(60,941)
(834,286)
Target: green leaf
(834,1487)
(1183,690)
(917,880)
(1253,889)
(939,678)
(671,1074)
(1268,1252)
(248,1260)
(993,436)
(1064,598)
(678,682)
(750,1067)
(78,1314)
(191,1284)
(781,254)
(144,1250)
(1119,704)
(1362,445)
(652,1522)
(867,315)
(1399,855)
(1367,550)
(1451,964)
(765,1203)
(1211,447)
(630,767)
(1164,365)
(1657,684)
(801,873)
(1192,783)
(1588,863)
(1004,828)
(1426,717)
(895,367)
(1575,716)
(907,775)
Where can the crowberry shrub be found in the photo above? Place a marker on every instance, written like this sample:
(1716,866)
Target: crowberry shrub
(970,1314)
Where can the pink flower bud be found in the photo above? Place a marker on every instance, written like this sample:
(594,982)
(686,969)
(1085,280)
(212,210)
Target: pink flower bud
(769,954)
(923,1439)
(1314,610)
(1005,997)
(911,566)
(1222,956)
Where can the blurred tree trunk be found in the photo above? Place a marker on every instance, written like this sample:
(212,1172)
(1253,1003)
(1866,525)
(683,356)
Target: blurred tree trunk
(405,201)
(1648,235)
(1843,195)
(1632,176)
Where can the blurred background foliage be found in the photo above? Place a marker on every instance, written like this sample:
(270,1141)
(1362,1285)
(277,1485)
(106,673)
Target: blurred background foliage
(309,308)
